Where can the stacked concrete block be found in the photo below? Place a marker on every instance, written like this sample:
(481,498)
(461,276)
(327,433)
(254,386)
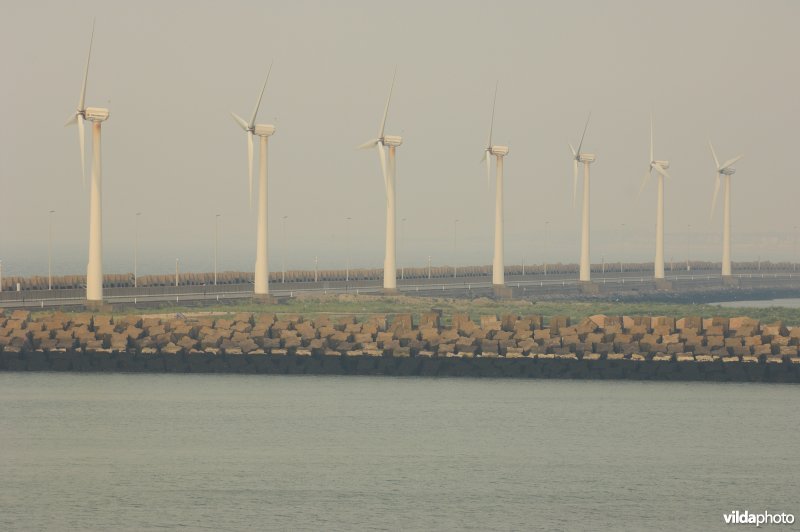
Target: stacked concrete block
(616,338)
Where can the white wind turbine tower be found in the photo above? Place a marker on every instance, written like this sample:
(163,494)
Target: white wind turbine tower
(498,265)
(95,115)
(389,174)
(661,169)
(263,131)
(587,159)
(726,170)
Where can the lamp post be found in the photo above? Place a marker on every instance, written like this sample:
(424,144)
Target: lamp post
(50,253)
(455,243)
(216,245)
(176,271)
(136,251)
(283,249)
(347,246)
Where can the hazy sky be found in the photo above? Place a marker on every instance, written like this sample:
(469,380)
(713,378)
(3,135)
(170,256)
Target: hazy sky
(170,72)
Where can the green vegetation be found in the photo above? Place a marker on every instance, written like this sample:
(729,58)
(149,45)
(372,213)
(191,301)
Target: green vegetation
(362,306)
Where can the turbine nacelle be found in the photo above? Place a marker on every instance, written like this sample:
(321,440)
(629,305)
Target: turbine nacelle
(499,151)
(661,164)
(728,171)
(96,114)
(587,157)
(392,140)
(264,130)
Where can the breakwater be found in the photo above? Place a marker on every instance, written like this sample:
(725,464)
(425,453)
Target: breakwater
(599,347)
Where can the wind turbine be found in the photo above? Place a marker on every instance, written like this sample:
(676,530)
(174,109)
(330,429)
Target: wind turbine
(263,131)
(661,169)
(586,158)
(95,115)
(725,169)
(389,174)
(498,265)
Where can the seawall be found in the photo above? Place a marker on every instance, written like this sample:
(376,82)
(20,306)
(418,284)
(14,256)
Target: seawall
(598,347)
(563,367)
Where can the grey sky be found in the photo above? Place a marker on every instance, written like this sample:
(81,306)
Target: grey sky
(171,71)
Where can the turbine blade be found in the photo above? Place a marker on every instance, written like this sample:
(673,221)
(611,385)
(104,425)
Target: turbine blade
(393,173)
(239,120)
(250,164)
(72,120)
(647,176)
(382,156)
(714,199)
(82,100)
(572,149)
(574,181)
(82,142)
(368,144)
(651,138)
(386,109)
(491,124)
(714,154)
(488,170)
(584,132)
(660,170)
(730,162)
(258,102)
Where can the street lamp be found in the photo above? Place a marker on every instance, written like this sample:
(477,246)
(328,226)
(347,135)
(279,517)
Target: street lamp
(50,254)
(455,242)
(216,245)
(136,251)
(347,248)
(283,249)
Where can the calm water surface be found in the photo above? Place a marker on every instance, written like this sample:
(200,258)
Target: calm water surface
(228,452)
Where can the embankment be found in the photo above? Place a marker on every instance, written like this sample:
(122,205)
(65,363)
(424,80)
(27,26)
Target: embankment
(598,347)
(499,367)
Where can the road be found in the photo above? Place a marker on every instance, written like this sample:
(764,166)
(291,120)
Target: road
(528,285)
